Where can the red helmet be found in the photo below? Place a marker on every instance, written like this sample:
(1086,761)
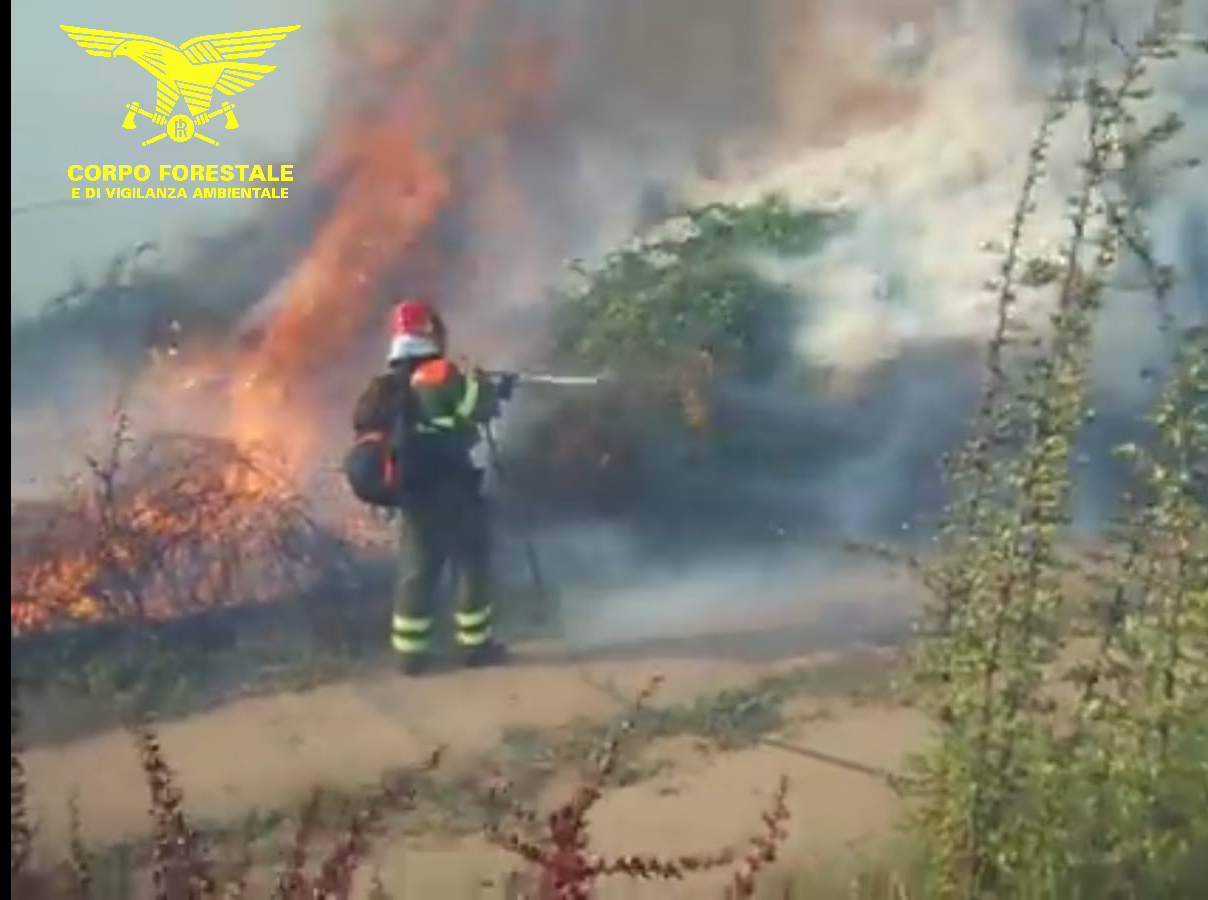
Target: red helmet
(416,330)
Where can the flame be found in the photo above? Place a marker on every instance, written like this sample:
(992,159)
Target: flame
(394,156)
(179,538)
(185,523)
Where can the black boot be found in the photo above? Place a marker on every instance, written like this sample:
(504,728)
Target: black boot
(413,664)
(489,654)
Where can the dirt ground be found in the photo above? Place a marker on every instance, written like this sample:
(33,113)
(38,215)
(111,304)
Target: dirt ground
(267,752)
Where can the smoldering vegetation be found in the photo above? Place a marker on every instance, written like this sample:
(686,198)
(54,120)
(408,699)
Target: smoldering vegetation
(556,133)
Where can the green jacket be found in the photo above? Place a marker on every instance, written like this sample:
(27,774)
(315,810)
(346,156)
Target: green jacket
(445,405)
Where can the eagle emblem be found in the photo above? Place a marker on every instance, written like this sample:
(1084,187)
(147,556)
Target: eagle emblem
(192,71)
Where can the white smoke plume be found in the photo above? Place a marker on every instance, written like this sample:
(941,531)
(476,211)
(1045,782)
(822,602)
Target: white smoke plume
(936,173)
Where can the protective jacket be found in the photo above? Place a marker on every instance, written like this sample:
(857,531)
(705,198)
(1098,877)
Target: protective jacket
(430,409)
(444,517)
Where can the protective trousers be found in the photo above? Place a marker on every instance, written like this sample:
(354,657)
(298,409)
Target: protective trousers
(449,527)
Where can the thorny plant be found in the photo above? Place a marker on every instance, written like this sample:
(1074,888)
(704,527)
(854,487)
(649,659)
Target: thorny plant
(558,846)
(182,866)
(334,877)
(1028,794)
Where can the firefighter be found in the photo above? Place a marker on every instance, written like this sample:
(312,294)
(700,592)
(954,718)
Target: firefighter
(442,511)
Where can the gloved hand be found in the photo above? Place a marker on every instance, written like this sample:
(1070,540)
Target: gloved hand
(505,385)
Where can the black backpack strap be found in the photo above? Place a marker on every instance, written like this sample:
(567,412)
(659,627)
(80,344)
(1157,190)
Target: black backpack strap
(403,417)
(402,422)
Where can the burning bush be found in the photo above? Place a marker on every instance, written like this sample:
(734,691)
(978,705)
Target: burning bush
(174,523)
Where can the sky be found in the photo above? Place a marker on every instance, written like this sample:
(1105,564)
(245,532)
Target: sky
(68,107)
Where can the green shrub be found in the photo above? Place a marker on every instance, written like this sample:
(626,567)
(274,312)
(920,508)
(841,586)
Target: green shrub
(670,314)
(1073,727)
(692,287)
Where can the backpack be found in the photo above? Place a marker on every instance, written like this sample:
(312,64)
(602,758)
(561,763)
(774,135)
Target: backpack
(372,465)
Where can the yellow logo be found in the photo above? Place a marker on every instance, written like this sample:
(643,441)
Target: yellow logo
(192,71)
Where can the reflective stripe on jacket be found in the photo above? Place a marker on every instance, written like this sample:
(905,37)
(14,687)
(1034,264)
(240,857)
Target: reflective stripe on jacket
(449,399)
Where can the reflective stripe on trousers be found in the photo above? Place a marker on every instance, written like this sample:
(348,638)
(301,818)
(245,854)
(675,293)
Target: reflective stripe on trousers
(409,635)
(473,628)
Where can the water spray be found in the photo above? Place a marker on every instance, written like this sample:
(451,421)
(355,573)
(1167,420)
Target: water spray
(554,380)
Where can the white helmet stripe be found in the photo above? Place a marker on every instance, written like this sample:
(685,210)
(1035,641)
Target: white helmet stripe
(410,346)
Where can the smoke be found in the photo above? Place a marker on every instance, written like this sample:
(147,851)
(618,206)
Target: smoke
(917,115)
(924,132)
(834,598)
(936,186)
(623,122)
(920,118)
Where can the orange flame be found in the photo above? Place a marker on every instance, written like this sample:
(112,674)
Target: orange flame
(393,156)
(392,153)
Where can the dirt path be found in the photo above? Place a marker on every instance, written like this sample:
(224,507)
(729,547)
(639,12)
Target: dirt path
(267,752)
(702,801)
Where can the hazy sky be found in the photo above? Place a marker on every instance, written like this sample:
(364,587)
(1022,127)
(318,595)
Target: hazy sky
(68,107)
